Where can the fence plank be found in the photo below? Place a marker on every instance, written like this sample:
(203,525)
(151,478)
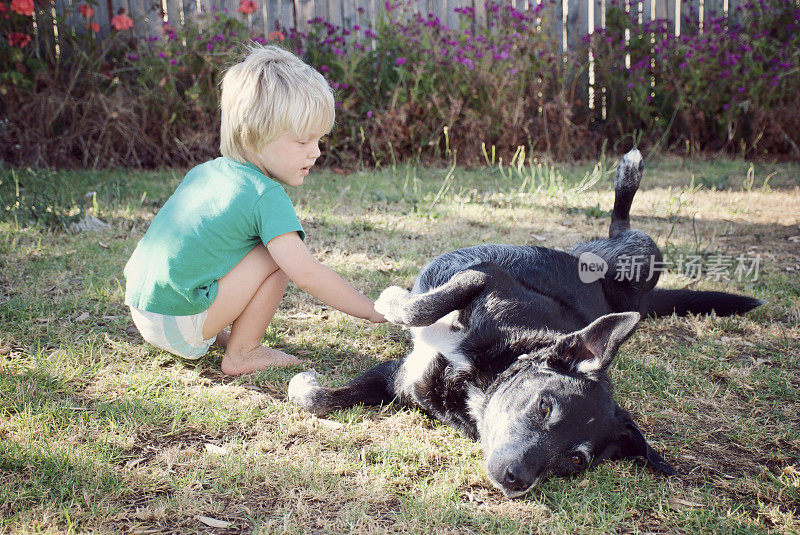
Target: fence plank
(72,21)
(582,18)
(287,12)
(350,18)
(173,12)
(574,10)
(334,12)
(452,19)
(558,24)
(596,15)
(305,12)
(480,16)
(45,31)
(690,10)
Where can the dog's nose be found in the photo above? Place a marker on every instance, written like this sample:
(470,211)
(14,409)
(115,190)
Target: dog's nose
(514,474)
(517,477)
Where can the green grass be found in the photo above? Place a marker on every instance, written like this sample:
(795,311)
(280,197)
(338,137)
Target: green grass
(100,432)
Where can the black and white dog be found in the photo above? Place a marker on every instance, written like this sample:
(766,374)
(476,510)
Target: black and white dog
(512,344)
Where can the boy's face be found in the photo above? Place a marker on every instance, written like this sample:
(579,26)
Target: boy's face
(288,158)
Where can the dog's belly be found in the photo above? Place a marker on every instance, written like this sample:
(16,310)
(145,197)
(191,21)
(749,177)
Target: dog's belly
(440,339)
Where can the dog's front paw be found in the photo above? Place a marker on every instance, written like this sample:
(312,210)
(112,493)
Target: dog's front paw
(305,390)
(392,304)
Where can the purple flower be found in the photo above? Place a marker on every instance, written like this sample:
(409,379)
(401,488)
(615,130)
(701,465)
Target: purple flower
(369,114)
(324,68)
(162,55)
(173,62)
(400,61)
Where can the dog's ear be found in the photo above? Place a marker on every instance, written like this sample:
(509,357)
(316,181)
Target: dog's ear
(631,443)
(593,348)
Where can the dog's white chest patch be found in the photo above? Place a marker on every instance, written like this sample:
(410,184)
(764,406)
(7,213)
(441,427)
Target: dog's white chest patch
(430,341)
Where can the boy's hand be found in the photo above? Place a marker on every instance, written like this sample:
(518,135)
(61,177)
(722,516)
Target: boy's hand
(376,317)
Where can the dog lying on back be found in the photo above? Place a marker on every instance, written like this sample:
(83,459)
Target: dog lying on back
(512,345)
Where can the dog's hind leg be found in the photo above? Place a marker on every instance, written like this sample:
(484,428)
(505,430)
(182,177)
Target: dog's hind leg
(374,387)
(626,183)
(633,258)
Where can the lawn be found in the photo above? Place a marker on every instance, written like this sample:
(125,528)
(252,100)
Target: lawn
(102,433)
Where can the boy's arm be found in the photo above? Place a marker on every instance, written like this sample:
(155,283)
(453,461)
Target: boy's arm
(294,259)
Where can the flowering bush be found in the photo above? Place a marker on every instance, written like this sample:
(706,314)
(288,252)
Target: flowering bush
(728,86)
(16,19)
(399,84)
(407,87)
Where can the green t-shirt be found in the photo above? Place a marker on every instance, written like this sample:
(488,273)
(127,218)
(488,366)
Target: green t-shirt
(218,213)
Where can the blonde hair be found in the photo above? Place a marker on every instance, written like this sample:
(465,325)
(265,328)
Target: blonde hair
(269,94)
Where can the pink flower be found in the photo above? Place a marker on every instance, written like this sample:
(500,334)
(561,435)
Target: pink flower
(247,7)
(19,39)
(23,7)
(121,21)
(86,10)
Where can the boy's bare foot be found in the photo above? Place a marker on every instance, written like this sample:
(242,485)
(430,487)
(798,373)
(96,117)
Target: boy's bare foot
(258,358)
(222,339)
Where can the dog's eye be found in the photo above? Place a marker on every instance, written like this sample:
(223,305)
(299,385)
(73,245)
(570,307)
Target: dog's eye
(544,407)
(577,459)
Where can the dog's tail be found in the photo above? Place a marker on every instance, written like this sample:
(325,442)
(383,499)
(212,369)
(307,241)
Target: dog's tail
(660,302)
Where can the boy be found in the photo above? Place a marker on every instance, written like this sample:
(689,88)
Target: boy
(224,246)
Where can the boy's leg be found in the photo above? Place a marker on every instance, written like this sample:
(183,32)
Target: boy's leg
(248,297)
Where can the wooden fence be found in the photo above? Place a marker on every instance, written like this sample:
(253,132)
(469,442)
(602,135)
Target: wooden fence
(569,19)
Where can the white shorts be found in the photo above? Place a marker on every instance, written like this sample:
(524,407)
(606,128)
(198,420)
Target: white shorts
(180,335)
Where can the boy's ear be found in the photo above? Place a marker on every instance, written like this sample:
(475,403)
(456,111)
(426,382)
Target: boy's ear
(592,349)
